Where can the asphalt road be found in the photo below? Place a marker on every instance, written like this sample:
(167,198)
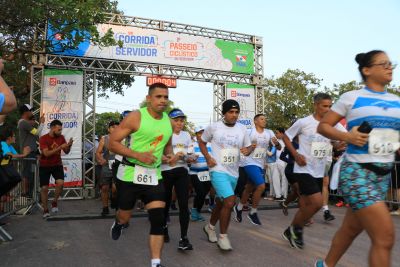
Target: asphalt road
(85,241)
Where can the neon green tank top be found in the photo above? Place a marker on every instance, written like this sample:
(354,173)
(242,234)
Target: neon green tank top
(152,135)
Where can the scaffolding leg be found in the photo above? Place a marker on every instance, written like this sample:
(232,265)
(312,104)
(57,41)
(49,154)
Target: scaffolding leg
(4,236)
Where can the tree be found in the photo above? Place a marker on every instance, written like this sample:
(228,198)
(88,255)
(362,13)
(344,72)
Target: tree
(71,22)
(102,120)
(289,97)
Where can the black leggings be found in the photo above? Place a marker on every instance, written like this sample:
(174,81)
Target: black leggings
(201,189)
(179,178)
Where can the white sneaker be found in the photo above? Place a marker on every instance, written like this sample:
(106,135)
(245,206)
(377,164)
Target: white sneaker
(396,212)
(54,209)
(211,235)
(224,243)
(46,215)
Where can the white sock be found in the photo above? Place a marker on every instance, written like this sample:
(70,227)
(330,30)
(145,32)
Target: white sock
(154,262)
(240,206)
(223,235)
(212,227)
(253,210)
(325,207)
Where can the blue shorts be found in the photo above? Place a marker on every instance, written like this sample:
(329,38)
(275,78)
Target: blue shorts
(223,183)
(361,187)
(255,174)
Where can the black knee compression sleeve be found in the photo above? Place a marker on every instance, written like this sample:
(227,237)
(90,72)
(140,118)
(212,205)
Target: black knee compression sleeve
(157,221)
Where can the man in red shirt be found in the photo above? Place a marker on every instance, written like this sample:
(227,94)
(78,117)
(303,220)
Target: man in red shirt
(50,163)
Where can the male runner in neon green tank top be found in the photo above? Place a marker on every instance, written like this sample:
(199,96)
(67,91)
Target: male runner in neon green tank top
(139,175)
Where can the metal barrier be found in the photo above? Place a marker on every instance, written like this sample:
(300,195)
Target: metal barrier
(23,197)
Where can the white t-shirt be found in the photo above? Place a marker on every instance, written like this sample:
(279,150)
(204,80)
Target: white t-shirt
(382,111)
(180,142)
(313,146)
(226,143)
(258,156)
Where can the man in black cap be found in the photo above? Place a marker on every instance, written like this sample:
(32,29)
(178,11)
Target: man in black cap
(228,139)
(29,131)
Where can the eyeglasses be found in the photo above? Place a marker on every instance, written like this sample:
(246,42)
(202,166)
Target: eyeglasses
(386,65)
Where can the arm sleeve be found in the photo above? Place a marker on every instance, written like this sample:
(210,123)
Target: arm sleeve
(27,127)
(293,130)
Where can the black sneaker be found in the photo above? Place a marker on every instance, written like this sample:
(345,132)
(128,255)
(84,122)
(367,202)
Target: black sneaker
(116,230)
(184,244)
(279,199)
(173,206)
(328,216)
(125,225)
(166,235)
(254,218)
(238,214)
(296,237)
(105,211)
(159,265)
(286,236)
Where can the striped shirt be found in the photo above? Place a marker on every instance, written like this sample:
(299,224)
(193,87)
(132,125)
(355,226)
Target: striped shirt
(380,109)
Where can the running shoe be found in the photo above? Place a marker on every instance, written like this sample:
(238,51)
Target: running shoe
(224,243)
(116,230)
(286,236)
(166,235)
(320,263)
(238,214)
(46,214)
(184,244)
(279,199)
(254,218)
(284,208)
(54,208)
(296,237)
(196,216)
(173,206)
(211,234)
(328,216)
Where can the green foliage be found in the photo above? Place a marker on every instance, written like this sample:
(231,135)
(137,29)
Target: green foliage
(102,120)
(289,97)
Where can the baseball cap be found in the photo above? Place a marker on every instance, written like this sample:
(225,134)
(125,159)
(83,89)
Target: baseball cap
(176,113)
(229,104)
(25,108)
(198,129)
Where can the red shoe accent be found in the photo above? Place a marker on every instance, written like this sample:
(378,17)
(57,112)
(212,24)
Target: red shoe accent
(339,204)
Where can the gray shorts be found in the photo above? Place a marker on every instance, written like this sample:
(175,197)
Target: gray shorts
(106,176)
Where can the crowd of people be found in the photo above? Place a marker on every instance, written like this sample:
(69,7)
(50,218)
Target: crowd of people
(148,156)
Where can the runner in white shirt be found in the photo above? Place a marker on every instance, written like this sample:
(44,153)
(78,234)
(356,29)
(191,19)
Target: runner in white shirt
(373,116)
(175,175)
(311,159)
(228,139)
(254,167)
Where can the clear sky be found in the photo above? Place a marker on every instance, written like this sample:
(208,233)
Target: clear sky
(315,36)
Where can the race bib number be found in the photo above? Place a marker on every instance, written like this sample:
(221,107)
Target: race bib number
(146,176)
(204,176)
(383,142)
(321,149)
(229,156)
(110,163)
(259,153)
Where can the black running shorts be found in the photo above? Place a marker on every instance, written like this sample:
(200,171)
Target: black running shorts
(128,193)
(308,184)
(45,172)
